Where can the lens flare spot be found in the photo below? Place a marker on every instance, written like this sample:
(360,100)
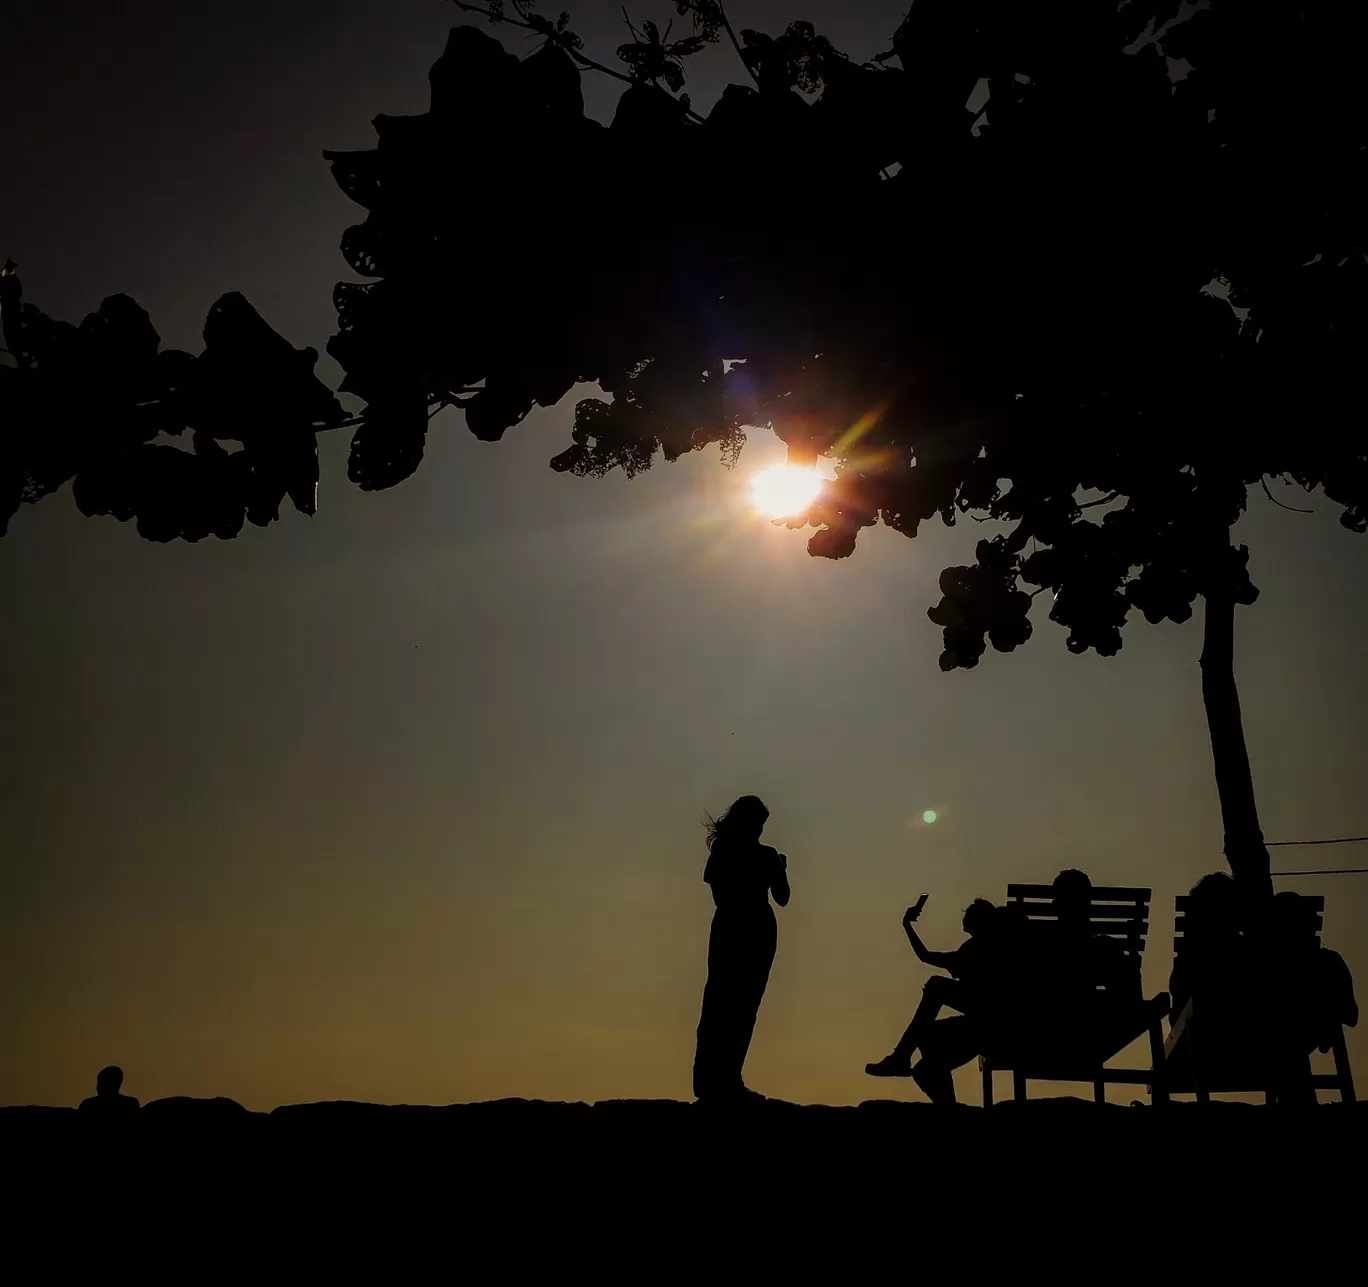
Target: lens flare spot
(929,816)
(784,490)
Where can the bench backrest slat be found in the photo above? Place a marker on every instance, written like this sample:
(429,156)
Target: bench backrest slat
(1120,912)
(1183,904)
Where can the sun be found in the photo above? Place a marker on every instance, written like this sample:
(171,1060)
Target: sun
(784,490)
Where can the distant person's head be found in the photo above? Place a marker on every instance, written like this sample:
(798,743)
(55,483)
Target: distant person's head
(1295,924)
(109,1081)
(743,822)
(1215,884)
(1071,897)
(1214,910)
(980,918)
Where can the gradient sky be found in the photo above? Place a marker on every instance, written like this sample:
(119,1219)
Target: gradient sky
(402,803)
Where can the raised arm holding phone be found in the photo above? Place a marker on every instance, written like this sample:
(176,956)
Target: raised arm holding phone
(938,960)
(944,1043)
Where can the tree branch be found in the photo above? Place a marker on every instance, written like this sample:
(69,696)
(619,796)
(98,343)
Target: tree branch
(466,7)
(449,399)
(736,44)
(1292,509)
(584,61)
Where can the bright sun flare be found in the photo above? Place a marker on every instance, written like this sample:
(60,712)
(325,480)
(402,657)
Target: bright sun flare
(784,490)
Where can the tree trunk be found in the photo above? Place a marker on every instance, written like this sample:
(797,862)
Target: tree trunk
(1244,843)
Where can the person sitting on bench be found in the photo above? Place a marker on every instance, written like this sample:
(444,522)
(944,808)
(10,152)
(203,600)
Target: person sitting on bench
(1084,980)
(970,967)
(1215,962)
(1311,991)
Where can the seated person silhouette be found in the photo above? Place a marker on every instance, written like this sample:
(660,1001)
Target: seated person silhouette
(1215,962)
(107,1097)
(1310,989)
(1083,978)
(971,967)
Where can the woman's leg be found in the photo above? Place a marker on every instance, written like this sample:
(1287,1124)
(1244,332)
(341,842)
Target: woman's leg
(740,953)
(713,1025)
(753,978)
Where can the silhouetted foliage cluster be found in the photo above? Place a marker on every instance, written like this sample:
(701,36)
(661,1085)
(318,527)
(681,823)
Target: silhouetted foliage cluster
(1112,286)
(88,403)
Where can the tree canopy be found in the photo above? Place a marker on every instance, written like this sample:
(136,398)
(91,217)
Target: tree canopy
(1106,285)
(1116,284)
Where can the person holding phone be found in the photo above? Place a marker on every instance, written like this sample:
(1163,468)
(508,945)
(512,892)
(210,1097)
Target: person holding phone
(969,966)
(743,874)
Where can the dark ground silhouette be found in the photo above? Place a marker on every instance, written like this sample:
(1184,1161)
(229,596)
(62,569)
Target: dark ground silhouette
(643,1188)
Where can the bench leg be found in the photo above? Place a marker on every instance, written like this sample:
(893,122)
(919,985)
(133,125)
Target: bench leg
(987,1070)
(1019,1086)
(1158,1091)
(1198,1079)
(1342,1069)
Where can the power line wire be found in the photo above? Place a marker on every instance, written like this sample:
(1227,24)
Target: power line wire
(1325,871)
(1342,840)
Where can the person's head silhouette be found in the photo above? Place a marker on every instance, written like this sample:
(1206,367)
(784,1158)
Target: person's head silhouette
(1295,924)
(1071,897)
(1215,884)
(980,918)
(1214,912)
(108,1096)
(741,824)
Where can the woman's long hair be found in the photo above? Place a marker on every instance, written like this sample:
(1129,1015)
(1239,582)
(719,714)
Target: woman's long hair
(744,813)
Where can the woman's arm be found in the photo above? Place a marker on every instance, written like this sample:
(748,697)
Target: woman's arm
(940,960)
(779,887)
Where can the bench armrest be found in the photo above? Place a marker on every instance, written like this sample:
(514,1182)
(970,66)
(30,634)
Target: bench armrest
(1178,1029)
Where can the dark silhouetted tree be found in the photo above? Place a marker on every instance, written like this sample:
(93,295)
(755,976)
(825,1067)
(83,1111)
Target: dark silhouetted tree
(1091,314)
(86,404)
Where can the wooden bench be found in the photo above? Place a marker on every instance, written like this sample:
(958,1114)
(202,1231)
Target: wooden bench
(1212,1054)
(1121,914)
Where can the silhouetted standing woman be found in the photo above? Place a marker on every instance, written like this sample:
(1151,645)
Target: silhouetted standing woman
(742,874)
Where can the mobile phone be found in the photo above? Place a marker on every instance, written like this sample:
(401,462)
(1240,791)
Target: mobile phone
(921,902)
